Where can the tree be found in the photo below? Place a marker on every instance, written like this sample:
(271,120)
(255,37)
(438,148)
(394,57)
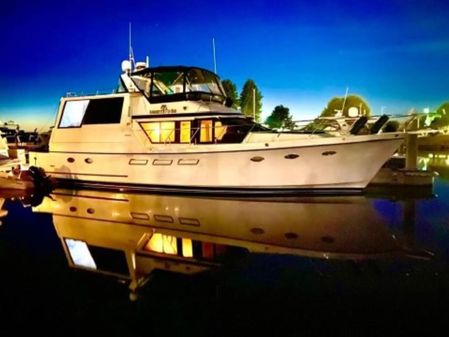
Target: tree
(441,119)
(246,100)
(340,104)
(231,92)
(280,118)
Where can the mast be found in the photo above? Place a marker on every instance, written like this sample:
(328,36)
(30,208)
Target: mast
(344,101)
(254,104)
(130,48)
(213,51)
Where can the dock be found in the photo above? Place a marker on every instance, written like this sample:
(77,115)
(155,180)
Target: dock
(402,170)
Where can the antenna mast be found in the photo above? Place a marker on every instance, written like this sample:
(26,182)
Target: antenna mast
(215,60)
(344,101)
(130,48)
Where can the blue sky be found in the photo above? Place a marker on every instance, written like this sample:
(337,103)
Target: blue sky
(300,53)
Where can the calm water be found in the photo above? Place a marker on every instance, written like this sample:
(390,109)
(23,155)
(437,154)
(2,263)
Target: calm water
(99,263)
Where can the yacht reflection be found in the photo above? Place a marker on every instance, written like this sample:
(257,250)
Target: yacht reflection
(3,212)
(131,235)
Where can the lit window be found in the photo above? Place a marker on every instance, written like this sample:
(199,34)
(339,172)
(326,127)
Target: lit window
(206,131)
(187,247)
(153,131)
(160,132)
(185,132)
(167,132)
(220,130)
(161,243)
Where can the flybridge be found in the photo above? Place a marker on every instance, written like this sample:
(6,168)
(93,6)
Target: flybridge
(175,83)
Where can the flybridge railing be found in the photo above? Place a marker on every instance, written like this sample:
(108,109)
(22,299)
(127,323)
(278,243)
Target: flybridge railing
(96,93)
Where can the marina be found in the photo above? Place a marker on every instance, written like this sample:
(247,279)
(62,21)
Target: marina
(232,169)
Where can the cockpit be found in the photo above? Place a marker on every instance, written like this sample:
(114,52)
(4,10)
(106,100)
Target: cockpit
(171,84)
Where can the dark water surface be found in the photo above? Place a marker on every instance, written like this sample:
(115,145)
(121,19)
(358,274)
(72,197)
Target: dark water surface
(100,263)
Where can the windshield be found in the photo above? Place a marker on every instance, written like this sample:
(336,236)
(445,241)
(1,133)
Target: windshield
(175,84)
(202,81)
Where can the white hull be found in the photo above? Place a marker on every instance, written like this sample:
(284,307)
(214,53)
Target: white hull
(325,163)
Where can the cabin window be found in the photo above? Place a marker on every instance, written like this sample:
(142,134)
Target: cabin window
(185,132)
(206,131)
(95,111)
(73,113)
(104,111)
(94,257)
(220,130)
(161,243)
(160,132)
(188,248)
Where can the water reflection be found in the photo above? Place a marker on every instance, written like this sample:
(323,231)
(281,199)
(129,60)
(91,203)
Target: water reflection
(435,161)
(131,235)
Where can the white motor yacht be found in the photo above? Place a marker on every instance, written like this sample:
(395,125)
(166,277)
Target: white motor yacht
(172,129)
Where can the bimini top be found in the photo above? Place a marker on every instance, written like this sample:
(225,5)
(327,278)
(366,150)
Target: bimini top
(179,83)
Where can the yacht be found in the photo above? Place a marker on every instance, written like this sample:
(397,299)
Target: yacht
(130,235)
(10,169)
(3,148)
(172,128)
(17,138)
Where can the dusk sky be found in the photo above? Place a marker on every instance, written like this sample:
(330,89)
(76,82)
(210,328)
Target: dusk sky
(393,53)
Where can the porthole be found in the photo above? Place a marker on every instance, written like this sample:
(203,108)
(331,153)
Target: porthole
(257,230)
(162,162)
(90,211)
(291,156)
(329,153)
(88,160)
(71,160)
(140,216)
(72,209)
(142,162)
(327,239)
(189,221)
(291,236)
(257,159)
(188,161)
(163,218)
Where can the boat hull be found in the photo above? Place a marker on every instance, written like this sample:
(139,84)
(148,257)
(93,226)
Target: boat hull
(341,165)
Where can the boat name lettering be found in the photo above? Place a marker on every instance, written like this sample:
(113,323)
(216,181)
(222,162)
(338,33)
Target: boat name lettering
(163,110)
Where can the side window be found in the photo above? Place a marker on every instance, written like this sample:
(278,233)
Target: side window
(94,111)
(220,130)
(73,113)
(206,131)
(104,111)
(185,132)
(160,132)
